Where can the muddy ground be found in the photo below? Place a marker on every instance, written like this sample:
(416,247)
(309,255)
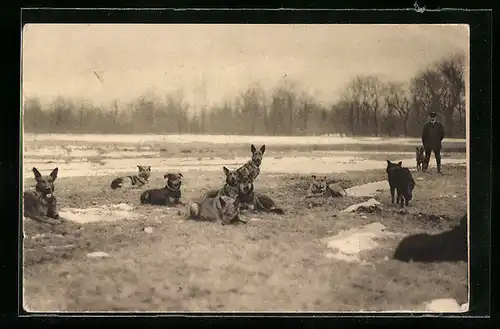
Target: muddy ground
(276,263)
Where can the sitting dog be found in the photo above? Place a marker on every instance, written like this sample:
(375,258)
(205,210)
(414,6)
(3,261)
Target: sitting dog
(323,187)
(41,204)
(253,165)
(166,196)
(229,189)
(400,180)
(220,208)
(142,178)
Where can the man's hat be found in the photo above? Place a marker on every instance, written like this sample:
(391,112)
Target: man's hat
(432,114)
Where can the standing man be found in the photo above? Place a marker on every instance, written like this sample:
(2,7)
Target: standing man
(432,135)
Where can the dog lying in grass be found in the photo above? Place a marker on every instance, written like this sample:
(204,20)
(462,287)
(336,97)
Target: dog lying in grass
(169,195)
(220,208)
(321,186)
(41,204)
(142,178)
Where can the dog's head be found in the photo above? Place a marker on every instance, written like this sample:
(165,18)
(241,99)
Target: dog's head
(257,155)
(245,182)
(174,181)
(419,151)
(318,184)
(45,184)
(392,165)
(229,209)
(231,176)
(144,171)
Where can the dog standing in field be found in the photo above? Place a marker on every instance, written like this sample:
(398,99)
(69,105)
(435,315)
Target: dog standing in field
(229,189)
(168,195)
(41,204)
(420,157)
(220,208)
(323,187)
(401,180)
(253,165)
(142,178)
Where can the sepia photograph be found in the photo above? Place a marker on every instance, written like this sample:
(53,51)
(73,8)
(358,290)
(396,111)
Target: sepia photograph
(245,167)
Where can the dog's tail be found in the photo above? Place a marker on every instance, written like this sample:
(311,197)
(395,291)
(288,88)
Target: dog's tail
(145,197)
(194,211)
(116,183)
(277,210)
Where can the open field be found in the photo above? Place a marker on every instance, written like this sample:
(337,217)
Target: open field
(272,263)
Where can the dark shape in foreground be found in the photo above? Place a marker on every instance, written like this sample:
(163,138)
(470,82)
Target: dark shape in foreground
(448,246)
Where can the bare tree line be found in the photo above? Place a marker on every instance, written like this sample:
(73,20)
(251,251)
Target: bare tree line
(368,106)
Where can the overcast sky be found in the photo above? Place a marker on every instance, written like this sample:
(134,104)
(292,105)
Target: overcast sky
(133,59)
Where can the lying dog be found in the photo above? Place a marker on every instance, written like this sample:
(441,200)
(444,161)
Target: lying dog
(41,204)
(323,187)
(251,200)
(401,181)
(166,196)
(221,208)
(142,178)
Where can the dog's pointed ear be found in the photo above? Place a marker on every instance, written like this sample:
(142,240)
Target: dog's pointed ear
(400,163)
(252,148)
(165,176)
(180,175)
(263,149)
(388,162)
(417,148)
(222,202)
(53,174)
(226,171)
(313,176)
(37,174)
(149,168)
(140,167)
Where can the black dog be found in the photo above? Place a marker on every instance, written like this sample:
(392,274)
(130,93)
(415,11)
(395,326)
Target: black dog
(449,246)
(168,195)
(401,180)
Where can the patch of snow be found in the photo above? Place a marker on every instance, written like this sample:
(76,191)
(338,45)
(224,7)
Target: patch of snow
(96,214)
(350,243)
(371,203)
(98,254)
(444,305)
(368,189)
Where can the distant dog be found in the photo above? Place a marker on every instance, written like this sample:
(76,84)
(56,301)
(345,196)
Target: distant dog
(41,204)
(166,196)
(400,180)
(229,189)
(253,165)
(142,178)
(420,157)
(221,208)
(321,186)
(448,246)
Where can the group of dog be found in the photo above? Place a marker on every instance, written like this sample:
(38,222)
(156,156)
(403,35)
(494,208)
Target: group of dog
(223,204)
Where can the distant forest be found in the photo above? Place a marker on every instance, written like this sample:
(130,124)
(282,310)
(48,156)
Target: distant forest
(368,106)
